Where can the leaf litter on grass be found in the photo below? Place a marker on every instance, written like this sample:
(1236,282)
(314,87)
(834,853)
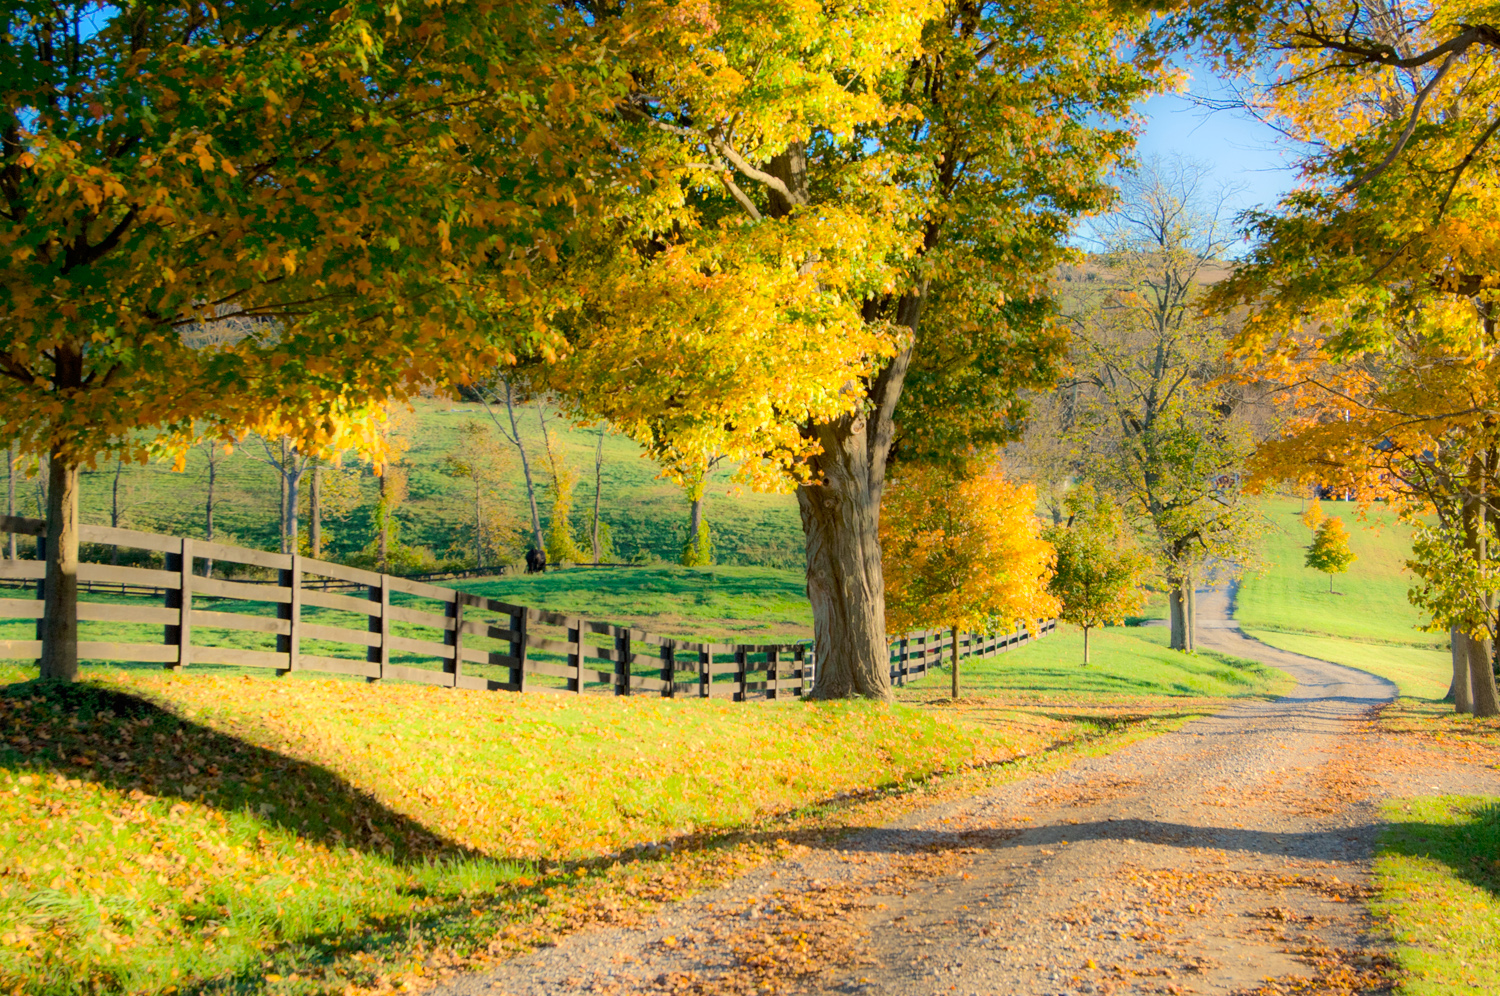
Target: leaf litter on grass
(218,833)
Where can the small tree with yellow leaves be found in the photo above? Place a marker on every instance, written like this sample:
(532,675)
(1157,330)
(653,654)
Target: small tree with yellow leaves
(1330,551)
(1100,569)
(963,551)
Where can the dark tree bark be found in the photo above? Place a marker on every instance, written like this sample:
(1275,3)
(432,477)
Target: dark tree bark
(841,505)
(59,660)
(1183,603)
(841,523)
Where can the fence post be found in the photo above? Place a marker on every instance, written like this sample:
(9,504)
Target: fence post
(705,670)
(800,656)
(773,658)
(901,659)
(742,673)
(455,637)
(622,661)
(578,654)
(518,649)
(290,642)
(669,668)
(181,599)
(380,624)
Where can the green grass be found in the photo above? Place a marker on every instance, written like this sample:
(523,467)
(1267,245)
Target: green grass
(1370,604)
(648,516)
(1368,624)
(1417,672)
(1438,878)
(1127,661)
(205,831)
(740,604)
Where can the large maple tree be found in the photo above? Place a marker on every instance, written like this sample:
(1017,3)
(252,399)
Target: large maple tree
(336,177)
(846,199)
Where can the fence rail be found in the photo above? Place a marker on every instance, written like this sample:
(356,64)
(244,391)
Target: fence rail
(325,617)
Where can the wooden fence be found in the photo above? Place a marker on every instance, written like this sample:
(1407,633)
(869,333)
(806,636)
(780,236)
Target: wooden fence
(385,627)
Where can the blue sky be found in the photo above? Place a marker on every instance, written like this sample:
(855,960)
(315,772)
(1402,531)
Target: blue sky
(1242,151)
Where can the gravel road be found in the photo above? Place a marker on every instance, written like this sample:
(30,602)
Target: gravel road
(1213,860)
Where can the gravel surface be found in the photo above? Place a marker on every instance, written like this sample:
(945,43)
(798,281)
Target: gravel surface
(1210,860)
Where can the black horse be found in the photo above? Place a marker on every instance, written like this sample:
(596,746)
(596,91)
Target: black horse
(536,561)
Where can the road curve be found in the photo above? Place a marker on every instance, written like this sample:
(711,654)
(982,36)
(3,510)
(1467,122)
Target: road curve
(1204,860)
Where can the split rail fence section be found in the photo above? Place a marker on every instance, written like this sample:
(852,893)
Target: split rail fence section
(386,627)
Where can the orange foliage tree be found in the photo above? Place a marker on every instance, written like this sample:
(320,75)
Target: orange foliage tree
(1375,286)
(963,551)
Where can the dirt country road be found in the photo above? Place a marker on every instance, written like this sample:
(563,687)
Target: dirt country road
(1230,856)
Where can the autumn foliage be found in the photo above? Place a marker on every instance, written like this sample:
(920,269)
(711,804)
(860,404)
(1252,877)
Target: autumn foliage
(963,551)
(1329,551)
(1101,570)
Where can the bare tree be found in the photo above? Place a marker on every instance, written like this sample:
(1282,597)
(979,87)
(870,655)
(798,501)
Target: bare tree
(502,391)
(290,465)
(1156,423)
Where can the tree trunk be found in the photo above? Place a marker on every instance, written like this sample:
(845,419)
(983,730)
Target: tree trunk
(1460,690)
(315,513)
(281,470)
(60,623)
(478,524)
(208,507)
(293,477)
(10,492)
(1183,608)
(841,507)
(598,479)
(520,444)
(845,578)
(1486,699)
(1086,646)
(114,508)
(385,517)
(953,631)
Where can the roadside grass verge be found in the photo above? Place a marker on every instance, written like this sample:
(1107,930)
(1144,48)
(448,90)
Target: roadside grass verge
(1437,876)
(231,833)
(1129,662)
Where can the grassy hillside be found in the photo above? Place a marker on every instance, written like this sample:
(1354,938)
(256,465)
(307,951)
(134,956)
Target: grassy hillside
(646,515)
(1368,624)
(735,604)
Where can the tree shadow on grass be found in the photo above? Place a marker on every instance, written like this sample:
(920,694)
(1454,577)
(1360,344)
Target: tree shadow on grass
(129,744)
(1469,846)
